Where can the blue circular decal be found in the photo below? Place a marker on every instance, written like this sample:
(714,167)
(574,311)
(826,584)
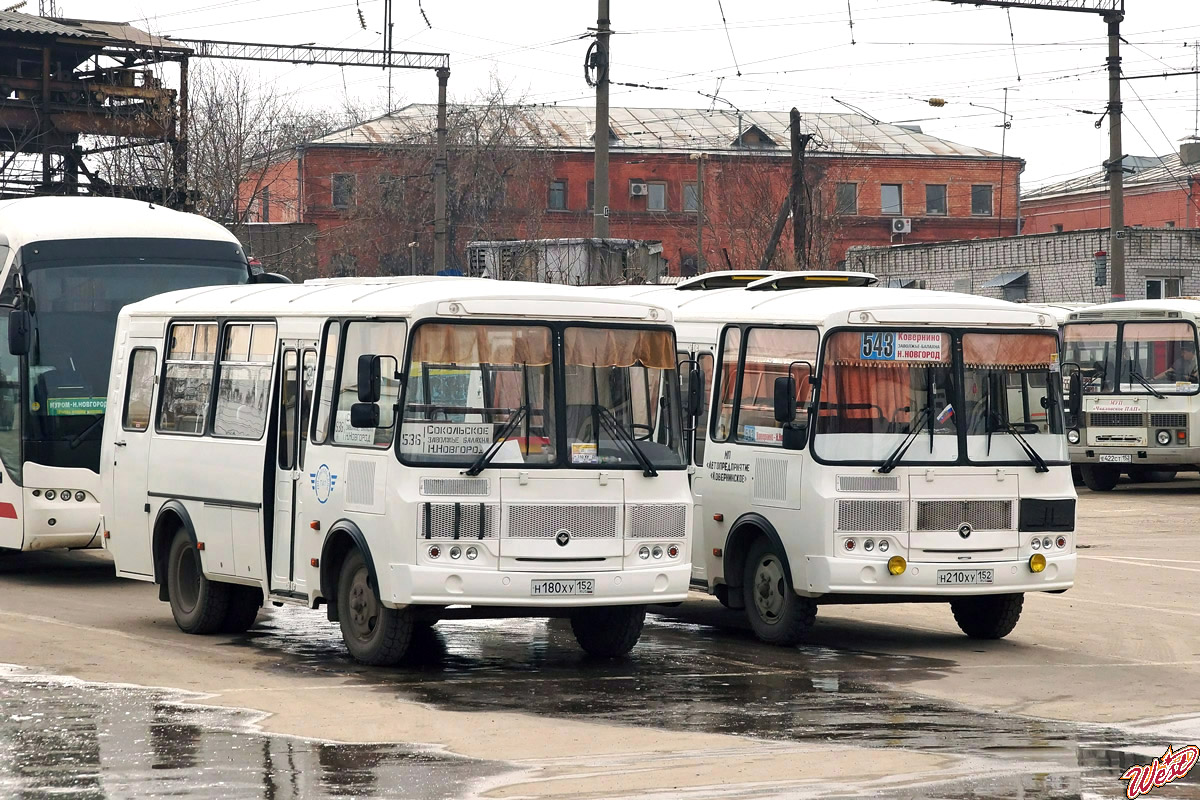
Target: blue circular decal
(323,482)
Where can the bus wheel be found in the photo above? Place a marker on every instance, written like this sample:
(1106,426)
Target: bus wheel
(1099,479)
(244,603)
(198,604)
(608,631)
(777,614)
(989,616)
(374,634)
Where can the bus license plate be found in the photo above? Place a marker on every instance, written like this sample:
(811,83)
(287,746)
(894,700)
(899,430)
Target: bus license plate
(968,576)
(1115,458)
(562,588)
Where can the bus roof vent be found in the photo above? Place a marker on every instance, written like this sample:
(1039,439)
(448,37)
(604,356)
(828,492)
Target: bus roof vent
(724,279)
(809,279)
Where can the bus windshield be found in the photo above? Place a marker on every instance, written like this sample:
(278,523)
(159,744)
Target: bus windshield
(74,308)
(977,397)
(1155,358)
(479,389)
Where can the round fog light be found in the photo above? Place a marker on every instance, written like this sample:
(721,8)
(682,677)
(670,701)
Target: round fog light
(1036,544)
(455,552)
(883,545)
(435,551)
(1037,562)
(1046,542)
(673,551)
(37,492)
(1073,436)
(897,565)
(869,545)
(1163,437)
(51,494)
(1061,541)
(472,554)
(657,551)
(849,545)
(80,497)
(64,494)
(643,552)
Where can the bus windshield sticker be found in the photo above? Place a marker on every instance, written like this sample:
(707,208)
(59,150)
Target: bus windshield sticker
(901,346)
(345,433)
(946,413)
(447,438)
(75,406)
(584,453)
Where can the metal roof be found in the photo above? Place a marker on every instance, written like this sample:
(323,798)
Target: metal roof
(661,129)
(1147,170)
(14,22)
(87,31)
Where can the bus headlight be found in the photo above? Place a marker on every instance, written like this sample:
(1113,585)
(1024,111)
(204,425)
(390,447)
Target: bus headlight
(883,545)
(1037,562)
(1036,544)
(897,565)
(51,494)
(1163,437)
(869,545)
(472,554)
(1073,436)
(657,552)
(643,552)
(80,497)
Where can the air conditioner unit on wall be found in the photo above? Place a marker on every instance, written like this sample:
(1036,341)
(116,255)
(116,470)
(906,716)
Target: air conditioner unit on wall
(901,225)
(638,189)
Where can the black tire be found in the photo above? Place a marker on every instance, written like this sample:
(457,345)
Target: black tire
(1160,475)
(777,614)
(244,603)
(373,633)
(721,592)
(1099,479)
(1076,475)
(608,631)
(198,604)
(989,616)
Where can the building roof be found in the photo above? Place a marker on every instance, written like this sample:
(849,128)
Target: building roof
(87,32)
(664,129)
(38,219)
(1147,170)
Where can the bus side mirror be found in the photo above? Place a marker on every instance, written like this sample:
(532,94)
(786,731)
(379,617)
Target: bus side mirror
(1075,394)
(20,332)
(364,415)
(268,277)
(369,378)
(785,399)
(694,393)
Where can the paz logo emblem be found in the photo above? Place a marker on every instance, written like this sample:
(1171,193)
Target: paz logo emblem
(562,537)
(964,530)
(323,482)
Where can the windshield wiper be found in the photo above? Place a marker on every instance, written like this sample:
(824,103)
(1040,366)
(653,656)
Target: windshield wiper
(890,462)
(501,438)
(1137,376)
(1034,457)
(620,434)
(79,437)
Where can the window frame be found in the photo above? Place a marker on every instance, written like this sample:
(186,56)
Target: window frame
(899,200)
(666,205)
(566,206)
(222,334)
(695,189)
(162,381)
(129,385)
(838,210)
(322,351)
(1163,281)
(343,323)
(945,212)
(333,190)
(991,187)
(746,330)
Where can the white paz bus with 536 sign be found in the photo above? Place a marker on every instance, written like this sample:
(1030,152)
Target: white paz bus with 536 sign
(401,451)
(870,445)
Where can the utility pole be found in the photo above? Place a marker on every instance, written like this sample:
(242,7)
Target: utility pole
(798,195)
(700,268)
(600,177)
(1115,166)
(439,177)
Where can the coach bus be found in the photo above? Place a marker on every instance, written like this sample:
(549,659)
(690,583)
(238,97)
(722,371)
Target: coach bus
(865,445)
(1137,375)
(399,451)
(68,266)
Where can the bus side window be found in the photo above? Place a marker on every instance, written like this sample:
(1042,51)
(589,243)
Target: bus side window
(384,339)
(10,404)
(705,363)
(187,384)
(139,389)
(324,396)
(729,365)
(245,382)
(307,387)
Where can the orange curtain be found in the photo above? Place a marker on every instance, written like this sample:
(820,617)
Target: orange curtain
(884,391)
(1021,350)
(1159,332)
(1090,332)
(503,345)
(619,347)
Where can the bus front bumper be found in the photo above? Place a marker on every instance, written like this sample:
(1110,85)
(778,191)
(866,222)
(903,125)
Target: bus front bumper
(423,585)
(50,525)
(1146,457)
(828,575)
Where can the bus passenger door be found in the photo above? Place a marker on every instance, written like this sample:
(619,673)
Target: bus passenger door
(704,362)
(128,523)
(297,377)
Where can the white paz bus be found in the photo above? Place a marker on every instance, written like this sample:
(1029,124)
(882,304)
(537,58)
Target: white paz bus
(869,445)
(67,267)
(1135,367)
(399,450)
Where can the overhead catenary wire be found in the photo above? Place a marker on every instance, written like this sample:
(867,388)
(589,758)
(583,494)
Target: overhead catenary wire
(728,38)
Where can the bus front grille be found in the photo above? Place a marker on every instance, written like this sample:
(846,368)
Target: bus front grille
(1116,419)
(950,515)
(660,521)
(1168,420)
(870,515)
(458,521)
(544,522)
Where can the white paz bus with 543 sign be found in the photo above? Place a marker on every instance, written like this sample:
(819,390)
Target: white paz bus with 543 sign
(400,451)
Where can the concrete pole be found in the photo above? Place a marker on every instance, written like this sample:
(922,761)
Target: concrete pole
(439,177)
(600,178)
(700,267)
(1115,166)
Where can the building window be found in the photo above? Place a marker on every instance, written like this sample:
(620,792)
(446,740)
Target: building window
(1169,223)
(1056,228)
(981,201)
(935,199)
(1159,288)
(892,199)
(847,199)
(656,196)
(343,190)
(691,197)
(558,196)
(265,199)
(591,195)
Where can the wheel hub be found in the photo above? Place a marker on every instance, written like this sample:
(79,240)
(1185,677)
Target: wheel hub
(364,608)
(769,588)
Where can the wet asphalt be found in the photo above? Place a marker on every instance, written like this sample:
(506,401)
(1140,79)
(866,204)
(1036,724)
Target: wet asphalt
(65,738)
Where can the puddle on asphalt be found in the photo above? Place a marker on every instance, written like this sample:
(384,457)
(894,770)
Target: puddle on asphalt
(66,738)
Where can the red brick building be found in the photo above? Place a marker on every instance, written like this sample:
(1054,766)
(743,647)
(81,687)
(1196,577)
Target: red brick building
(701,182)
(1159,193)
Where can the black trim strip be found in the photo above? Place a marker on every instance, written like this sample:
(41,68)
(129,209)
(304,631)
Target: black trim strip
(213,501)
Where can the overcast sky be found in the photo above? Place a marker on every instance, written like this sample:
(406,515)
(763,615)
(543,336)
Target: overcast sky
(787,53)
